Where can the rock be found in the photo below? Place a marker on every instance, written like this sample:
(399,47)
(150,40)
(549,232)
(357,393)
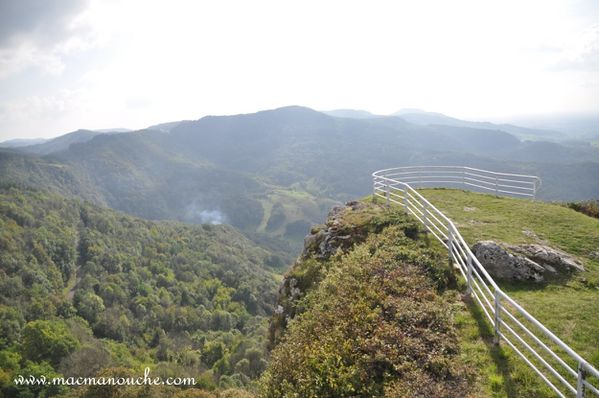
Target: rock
(530,234)
(503,265)
(549,257)
(324,241)
(530,262)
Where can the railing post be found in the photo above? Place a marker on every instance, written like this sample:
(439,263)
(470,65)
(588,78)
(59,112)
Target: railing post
(496,186)
(424,215)
(374,181)
(469,274)
(497,320)
(387,189)
(580,387)
(405,198)
(450,242)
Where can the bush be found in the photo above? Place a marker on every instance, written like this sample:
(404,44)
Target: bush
(589,207)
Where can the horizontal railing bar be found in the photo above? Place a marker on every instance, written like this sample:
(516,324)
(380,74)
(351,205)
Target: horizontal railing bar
(554,372)
(415,215)
(436,182)
(549,334)
(461,261)
(547,381)
(491,306)
(513,186)
(460,168)
(477,266)
(515,193)
(479,186)
(432,214)
(482,182)
(528,181)
(406,173)
(591,387)
(438,238)
(482,306)
(416,177)
(475,272)
(501,174)
(459,266)
(439,230)
(480,175)
(540,343)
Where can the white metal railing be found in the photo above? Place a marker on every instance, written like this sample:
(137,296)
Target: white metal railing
(560,367)
(518,185)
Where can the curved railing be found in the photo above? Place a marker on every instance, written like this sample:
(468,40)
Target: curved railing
(518,185)
(560,367)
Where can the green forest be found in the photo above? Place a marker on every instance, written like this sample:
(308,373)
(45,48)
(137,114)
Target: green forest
(88,290)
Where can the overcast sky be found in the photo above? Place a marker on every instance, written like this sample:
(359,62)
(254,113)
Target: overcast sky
(72,64)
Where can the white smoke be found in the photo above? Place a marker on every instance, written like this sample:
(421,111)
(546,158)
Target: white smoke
(213,217)
(200,215)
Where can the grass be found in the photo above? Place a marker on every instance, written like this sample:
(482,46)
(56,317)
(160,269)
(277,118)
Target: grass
(568,308)
(295,206)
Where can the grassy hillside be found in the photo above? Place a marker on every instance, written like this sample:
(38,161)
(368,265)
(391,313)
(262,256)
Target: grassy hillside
(569,308)
(320,295)
(86,290)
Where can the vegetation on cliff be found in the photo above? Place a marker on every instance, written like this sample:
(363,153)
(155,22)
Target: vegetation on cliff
(373,317)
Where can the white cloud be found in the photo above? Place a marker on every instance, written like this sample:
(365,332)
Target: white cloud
(144,62)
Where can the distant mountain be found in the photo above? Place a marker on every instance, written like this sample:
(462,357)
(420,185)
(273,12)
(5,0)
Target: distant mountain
(166,127)
(351,114)
(423,118)
(577,126)
(60,143)
(20,142)
(275,172)
(114,130)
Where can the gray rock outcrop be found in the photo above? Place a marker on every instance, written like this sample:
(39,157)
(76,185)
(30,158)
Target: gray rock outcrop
(501,264)
(528,263)
(324,240)
(550,258)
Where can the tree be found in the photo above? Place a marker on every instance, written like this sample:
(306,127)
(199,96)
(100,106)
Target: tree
(47,340)
(89,306)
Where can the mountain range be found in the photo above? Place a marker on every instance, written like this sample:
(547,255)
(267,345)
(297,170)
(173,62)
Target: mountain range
(274,173)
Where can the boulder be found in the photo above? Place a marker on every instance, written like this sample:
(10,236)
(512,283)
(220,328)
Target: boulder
(501,264)
(549,257)
(529,262)
(325,240)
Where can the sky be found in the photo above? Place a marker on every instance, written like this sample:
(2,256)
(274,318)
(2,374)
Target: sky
(71,64)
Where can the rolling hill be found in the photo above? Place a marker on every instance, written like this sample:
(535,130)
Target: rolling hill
(272,173)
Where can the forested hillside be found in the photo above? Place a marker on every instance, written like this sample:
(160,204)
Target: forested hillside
(274,173)
(87,290)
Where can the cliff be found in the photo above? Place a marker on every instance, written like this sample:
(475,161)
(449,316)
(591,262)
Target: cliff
(366,311)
